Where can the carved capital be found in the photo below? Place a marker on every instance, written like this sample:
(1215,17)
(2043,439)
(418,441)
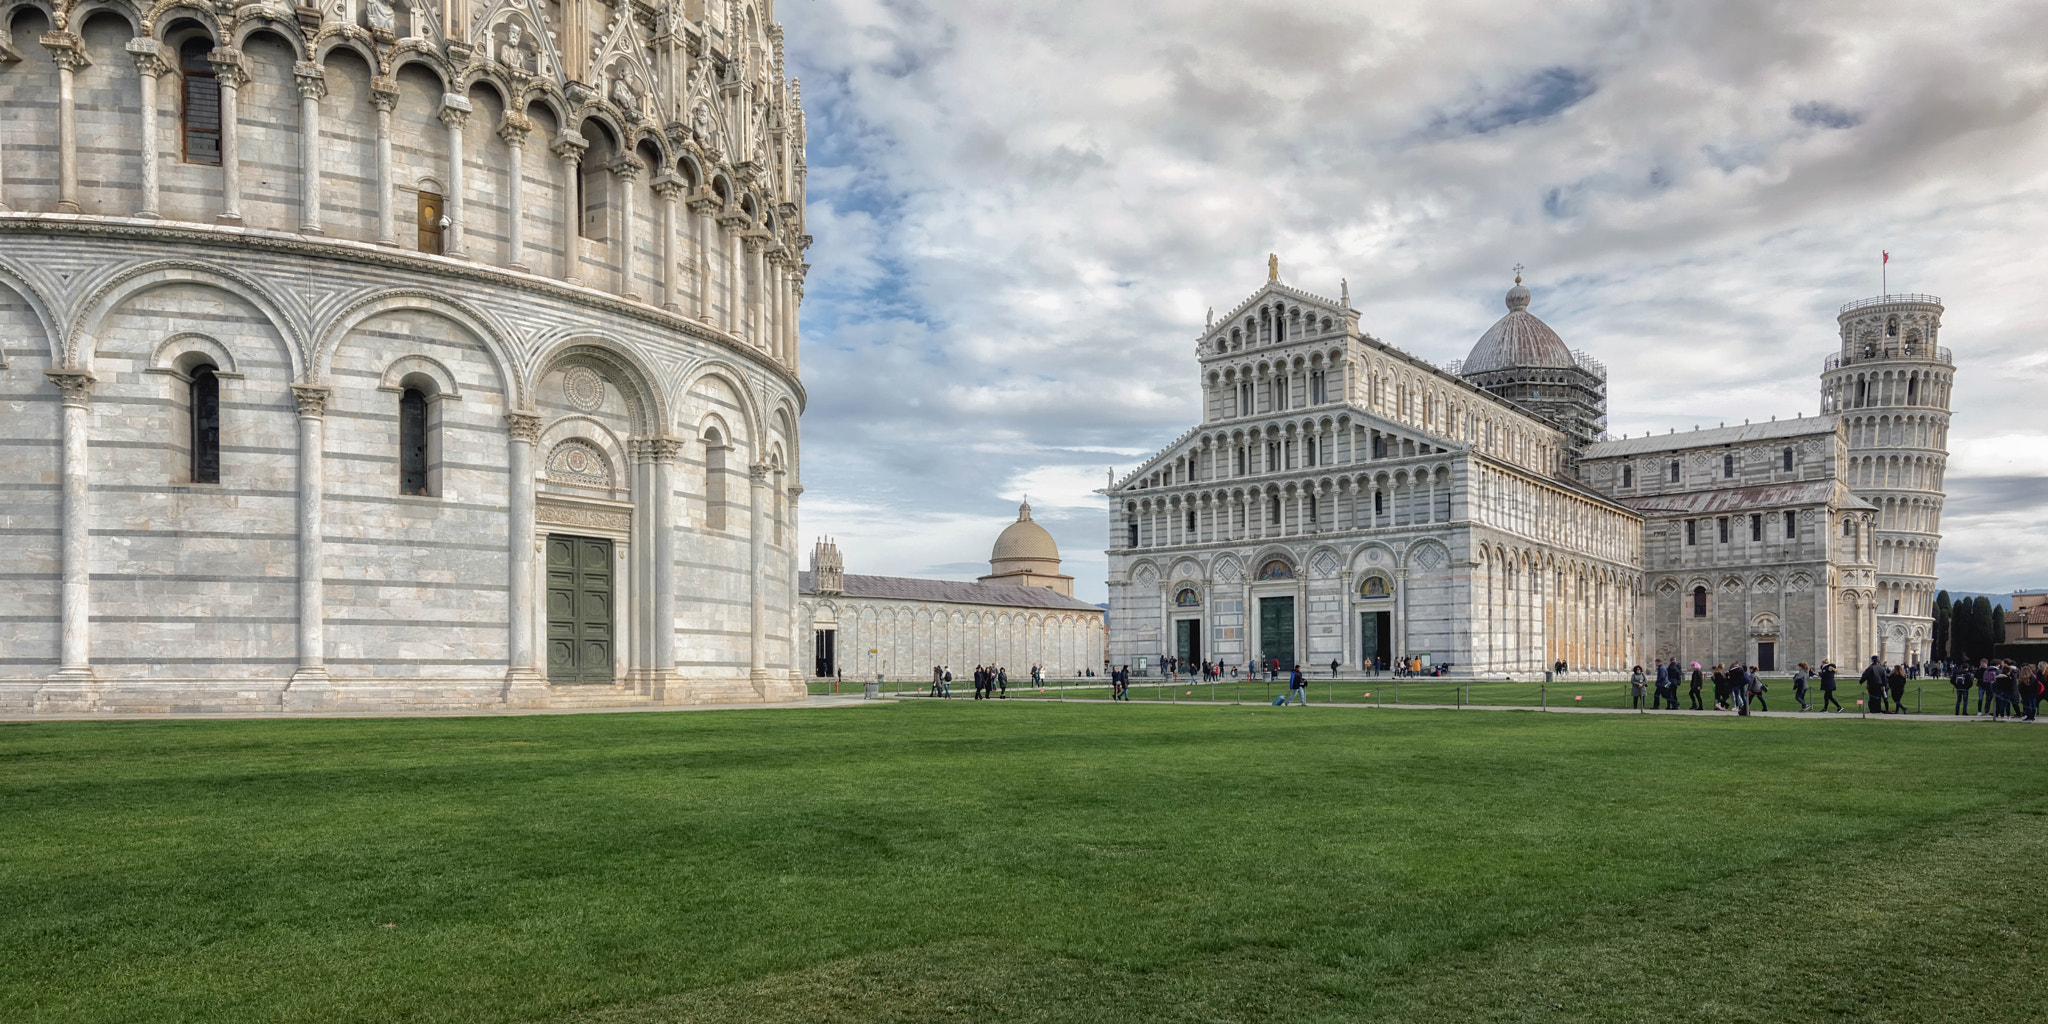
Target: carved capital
(384,94)
(514,129)
(627,168)
(67,51)
(732,217)
(311,82)
(227,67)
(654,449)
(76,385)
(570,146)
(312,399)
(759,472)
(524,427)
(668,187)
(454,111)
(704,200)
(150,57)
(794,491)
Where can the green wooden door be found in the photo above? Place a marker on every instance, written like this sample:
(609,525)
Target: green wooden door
(1276,630)
(579,610)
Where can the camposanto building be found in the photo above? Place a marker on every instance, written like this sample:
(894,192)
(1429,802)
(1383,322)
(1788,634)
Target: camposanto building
(1345,501)
(361,356)
(1023,613)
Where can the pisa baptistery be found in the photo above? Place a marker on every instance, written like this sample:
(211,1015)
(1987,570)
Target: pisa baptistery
(1889,382)
(398,358)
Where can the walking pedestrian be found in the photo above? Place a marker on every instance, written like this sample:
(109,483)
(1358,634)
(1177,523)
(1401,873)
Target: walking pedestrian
(1757,689)
(1987,675)
(1698,681)
(1297,686)
(1827,687)
(1873,685)
(1897,681)
(1003,682)
(1799,678)
(1333,668)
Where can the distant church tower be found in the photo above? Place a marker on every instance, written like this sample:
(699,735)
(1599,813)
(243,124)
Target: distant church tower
(1890,384)
(828,573)
(1522,360)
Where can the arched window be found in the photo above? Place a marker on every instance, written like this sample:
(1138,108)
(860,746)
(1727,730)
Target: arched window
(1280,388)
(1728,465)
(1315,388)
(414,458)
(1628,476)
(200,116)
(1788,460)
(1674,471)
(205,403)
(1699,602)
(1191,520)
(714,480)
(1891,327)
(1244,399)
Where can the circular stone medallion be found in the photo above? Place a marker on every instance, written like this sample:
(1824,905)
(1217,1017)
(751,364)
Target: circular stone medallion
(583,388)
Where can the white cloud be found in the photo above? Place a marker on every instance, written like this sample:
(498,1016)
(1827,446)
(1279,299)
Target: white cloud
(1023,210)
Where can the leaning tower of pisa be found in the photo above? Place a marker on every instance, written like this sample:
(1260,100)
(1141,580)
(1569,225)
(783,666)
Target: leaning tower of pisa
(1889,382)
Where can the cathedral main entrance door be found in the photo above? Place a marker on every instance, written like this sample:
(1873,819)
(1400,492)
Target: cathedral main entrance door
(1376,638)
(579,609)
(1276,630)
(1187,641)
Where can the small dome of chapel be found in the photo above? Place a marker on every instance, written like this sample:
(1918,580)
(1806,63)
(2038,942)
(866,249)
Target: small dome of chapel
(1517,340)
(1025,539)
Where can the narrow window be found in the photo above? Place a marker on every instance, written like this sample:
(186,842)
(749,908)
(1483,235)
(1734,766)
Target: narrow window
(1728,465)
(1699,602)
(1756,527)
(1674,471)
(714,482)
(1724,529)
(1628,476)
(1847,529)
(1191,520)
(1379,503)
(1280,389)
(1788,460)
(1379,446)
(1862,392)
(1895,607)
(412,442)
(1273,511)
(205,426)
(1244,399)
(1692,532)
(201,115)
(1912,391)
(1314,510)
(1791,525)
(1131,541)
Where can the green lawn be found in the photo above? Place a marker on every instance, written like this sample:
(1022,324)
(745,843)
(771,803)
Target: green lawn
(1023,861)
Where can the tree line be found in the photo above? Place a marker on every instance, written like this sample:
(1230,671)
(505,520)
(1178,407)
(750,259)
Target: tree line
(1966,630)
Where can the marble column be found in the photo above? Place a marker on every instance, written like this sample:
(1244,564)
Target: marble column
(1346,616)
(626,176)
(312,671)
(227,70)
(569,148)
(67,51)
(514,131)
(670,189)
(800,631)
(1400,639)
(312,89)
(454,113)
(701,205)
(660,454)
(151,62)
(524,685)
(75,645)
(757,622)
(384,96)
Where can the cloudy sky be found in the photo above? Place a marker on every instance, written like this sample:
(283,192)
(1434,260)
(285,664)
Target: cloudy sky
(1024,209)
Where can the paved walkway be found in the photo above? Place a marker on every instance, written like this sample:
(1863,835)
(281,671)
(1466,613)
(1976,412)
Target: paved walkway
(816,701)
(1562,709)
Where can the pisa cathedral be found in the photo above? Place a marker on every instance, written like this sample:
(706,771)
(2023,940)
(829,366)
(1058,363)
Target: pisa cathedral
(375,356)
(1342,500)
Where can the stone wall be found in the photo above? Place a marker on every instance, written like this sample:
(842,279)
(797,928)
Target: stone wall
(195,595)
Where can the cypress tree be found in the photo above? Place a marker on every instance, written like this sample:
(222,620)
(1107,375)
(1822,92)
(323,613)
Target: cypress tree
(1938,649)
(1988,627)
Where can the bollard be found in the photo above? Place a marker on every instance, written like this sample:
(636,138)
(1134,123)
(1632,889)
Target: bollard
(1543,696)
